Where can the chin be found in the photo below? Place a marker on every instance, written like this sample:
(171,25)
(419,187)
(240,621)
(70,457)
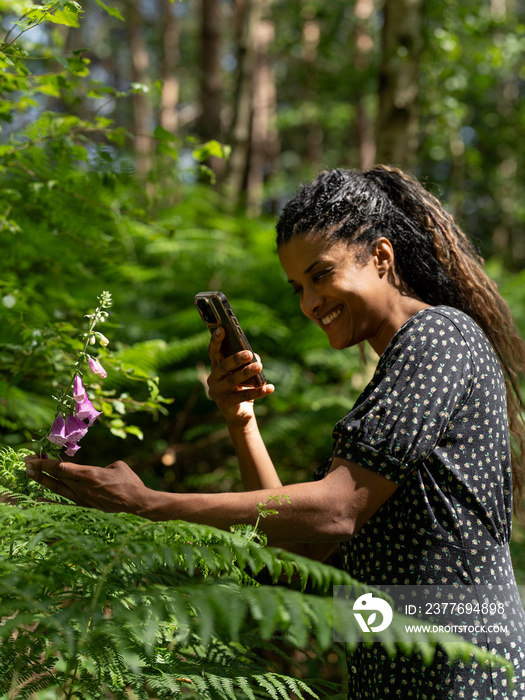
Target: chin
(339,344)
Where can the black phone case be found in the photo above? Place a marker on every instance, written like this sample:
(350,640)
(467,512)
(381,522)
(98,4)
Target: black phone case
(235,339)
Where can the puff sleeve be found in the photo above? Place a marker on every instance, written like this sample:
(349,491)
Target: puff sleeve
(422,379)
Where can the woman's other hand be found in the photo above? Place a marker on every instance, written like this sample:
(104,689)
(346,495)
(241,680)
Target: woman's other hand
(228,379)
(114,489)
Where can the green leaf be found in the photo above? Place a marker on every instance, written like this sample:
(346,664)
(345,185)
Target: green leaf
(163,134)
(112,11)
(211,148)
(135,430)
(63,61)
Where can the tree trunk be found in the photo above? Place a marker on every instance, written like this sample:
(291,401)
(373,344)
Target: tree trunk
(264,137)
(311,36)
(250,14)
(169,97)
(397,121)
(211,84)
(209,121)
(364,44)
(507,238)
(142,110)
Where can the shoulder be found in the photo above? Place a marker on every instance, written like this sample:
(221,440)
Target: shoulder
(438,330)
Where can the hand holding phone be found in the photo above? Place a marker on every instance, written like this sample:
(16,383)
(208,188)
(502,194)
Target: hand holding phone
(236,377)
(216,312)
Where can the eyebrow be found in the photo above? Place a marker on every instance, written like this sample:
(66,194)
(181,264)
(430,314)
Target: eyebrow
(308,269)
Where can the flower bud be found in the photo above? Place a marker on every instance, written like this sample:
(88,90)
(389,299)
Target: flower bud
(79,390)
(96,368)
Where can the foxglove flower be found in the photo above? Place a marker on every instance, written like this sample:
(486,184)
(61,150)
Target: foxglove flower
(79,390)
(102,339)
(58,431)
(71,449)
(86,410)
(75,430)
(96,368)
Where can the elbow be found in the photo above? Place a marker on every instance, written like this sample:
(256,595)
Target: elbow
(343,527)
(339,521)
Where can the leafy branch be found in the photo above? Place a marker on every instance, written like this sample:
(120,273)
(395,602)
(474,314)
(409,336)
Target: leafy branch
(37,15)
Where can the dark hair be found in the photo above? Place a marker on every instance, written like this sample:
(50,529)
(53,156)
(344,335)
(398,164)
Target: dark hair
(433,257)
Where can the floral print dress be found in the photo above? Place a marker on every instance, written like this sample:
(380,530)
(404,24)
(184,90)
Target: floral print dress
(433,419)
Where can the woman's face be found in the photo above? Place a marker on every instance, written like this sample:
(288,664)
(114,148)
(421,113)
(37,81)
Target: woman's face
(350,300)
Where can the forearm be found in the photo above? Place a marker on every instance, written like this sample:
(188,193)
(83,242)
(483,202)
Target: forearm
(319,551)
(257,468)
(313,514)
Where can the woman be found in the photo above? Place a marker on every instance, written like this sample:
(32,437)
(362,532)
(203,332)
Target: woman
(419,488)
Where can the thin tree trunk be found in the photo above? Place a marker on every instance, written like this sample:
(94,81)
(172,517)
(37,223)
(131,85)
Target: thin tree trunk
(209,123)
(398,119)
(240,137)
(142,110)
(364,43)
(264,137)
(169,97)
(311,35)
(211,84)
(507,237)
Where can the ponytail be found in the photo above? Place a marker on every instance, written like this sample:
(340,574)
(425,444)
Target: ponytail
(433,256)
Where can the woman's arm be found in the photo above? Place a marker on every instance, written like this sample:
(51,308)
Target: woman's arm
(235,399)
(327,511)
(236,403)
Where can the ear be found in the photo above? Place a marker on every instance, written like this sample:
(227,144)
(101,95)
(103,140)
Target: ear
(383,254)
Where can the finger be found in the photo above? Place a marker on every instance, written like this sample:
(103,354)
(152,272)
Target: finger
(253,393)
(35,464)
(51,484)
(214,348)
(58,469)
(226,367)
(229,375)
(243,374)
(237,362)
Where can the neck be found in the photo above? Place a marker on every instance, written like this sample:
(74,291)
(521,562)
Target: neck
(398,315)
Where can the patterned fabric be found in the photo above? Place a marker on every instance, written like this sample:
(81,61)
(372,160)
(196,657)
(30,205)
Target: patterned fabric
(434,420)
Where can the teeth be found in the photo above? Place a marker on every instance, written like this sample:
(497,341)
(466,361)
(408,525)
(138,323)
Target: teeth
(328,319)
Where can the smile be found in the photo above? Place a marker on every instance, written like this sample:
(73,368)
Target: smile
(331,316)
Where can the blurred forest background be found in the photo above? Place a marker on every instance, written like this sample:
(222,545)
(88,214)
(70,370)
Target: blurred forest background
(147,147)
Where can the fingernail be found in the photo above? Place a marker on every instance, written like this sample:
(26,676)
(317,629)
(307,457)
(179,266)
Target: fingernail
(217,331)
(246,355)
(30,472)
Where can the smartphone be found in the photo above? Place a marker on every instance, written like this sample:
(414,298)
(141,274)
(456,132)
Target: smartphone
(216,311)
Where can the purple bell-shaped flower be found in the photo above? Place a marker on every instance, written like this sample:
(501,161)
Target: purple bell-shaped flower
(75,430)
(86,411)
(58,431)
(79,390)
(71,449)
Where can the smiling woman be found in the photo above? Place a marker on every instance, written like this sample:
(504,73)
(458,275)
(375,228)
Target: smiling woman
(350,299)
(418,489)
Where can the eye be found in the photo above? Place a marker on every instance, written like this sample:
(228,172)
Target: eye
(322,273)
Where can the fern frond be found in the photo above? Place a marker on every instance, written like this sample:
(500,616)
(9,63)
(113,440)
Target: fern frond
(127,602)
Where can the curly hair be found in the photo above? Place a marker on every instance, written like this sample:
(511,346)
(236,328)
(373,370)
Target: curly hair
(433,257)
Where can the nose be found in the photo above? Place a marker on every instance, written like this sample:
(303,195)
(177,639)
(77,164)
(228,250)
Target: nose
(310,303)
